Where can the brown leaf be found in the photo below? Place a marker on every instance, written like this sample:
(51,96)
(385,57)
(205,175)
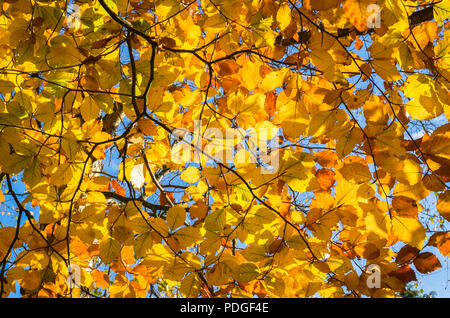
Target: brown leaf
(100,43)
(370,251)
(37,21)
(295,58)
(167,42)
(406,254)
(31,280)
(173,243)
(405,207)
(90,82)
(404,273)
(313,215)
(276,246)
(322,266)
(427,262)
(228,67)
(198,210)
(441,240)
(443,205)
(163,200)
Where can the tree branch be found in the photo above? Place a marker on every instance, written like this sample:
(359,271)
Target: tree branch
(123,199)
(415,18)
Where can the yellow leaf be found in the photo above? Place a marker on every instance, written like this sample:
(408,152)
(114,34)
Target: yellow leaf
(215,221)
(166,8)
(347,142)
(346,193)
(275,285)
(247,272)
(190,285)
(176,217)
(284,16)
(424,103)
(109,249)
(356,172)
(273,80)
(142,244)
(187,236)
(377,223)
(190,175)
(409,231)
(215,23)
(412,171)
(158,256)
(383,63)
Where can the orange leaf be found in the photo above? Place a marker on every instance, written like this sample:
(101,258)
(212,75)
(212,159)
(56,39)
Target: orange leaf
(228,67)
(100,278)
(270,103)
(163,200)
(79,248)
(356,14)
(358,43)
(325,177)
(147,127)
(127,254)
(327,158)
(118,188)
(229,83)
(198,210)
(427,262)
(441,240)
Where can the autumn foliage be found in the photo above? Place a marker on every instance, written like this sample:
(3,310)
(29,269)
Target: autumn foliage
(92,92)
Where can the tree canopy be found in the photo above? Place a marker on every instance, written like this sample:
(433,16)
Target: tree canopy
(223,148)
